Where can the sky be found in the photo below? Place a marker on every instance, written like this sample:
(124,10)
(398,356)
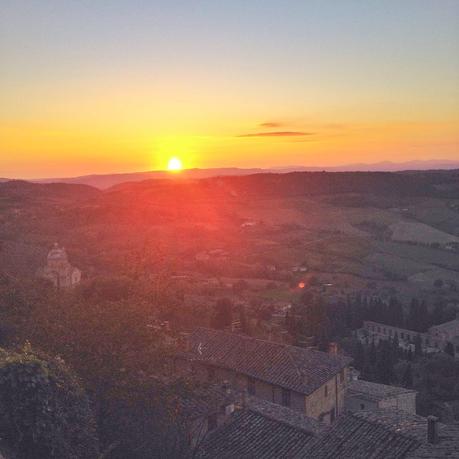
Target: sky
(99,86)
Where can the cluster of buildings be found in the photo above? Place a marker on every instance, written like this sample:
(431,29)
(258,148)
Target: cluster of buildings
(435,339)
(284,401)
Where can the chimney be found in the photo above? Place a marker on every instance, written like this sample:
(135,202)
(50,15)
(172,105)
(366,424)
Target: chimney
(333,348)
(432,429)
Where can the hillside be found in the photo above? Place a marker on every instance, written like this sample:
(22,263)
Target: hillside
(350,229)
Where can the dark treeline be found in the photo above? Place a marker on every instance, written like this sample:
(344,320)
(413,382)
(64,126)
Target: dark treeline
(331,321)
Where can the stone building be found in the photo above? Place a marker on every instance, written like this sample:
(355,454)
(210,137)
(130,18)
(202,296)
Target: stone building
(58,269)
(434,340)
(308,381)
(366,395)
(445,332)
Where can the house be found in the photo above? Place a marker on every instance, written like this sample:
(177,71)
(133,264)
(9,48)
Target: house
(445,332)
(58,269)
(384,434)
(260,429)
(366,395)
(308,381)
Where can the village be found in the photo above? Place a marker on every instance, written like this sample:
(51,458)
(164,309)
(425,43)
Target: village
(270,396)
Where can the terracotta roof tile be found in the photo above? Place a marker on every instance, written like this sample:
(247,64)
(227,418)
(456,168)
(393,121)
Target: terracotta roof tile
(291,367)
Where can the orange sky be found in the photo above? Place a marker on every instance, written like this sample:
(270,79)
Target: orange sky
(231,86)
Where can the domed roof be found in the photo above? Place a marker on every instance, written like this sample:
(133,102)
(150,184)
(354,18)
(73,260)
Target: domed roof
(57,253)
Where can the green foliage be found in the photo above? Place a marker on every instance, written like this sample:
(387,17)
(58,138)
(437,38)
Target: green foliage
(107,289)
(44,411)
(436,379)
(449,349)
(146,419)
(223,314)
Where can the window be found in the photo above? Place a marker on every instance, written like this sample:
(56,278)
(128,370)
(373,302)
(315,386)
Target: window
(362,406)
(251,386)
(341,376)
(285,397)
(326,390)
(212,422)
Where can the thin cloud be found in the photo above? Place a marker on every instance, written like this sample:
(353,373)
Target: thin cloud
(270,124)
(278,134)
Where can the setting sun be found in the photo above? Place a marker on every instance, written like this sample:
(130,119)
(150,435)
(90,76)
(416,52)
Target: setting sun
(174,164)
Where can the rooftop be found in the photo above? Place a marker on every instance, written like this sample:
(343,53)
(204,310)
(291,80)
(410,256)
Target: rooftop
(382,434)
(451,326)
(285,415)
(261,430)
(374,391)
(57,253)
(205,400)
(291,367)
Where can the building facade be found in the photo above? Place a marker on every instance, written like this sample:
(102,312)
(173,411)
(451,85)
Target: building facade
(434,340)
(366,395)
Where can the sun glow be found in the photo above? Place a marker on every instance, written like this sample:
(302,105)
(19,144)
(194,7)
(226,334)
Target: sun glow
(174,164)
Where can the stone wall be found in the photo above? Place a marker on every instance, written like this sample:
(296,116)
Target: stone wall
(355,403)
(405,402)
(327,401)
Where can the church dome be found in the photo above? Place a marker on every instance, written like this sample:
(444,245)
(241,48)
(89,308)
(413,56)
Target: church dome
(57,253)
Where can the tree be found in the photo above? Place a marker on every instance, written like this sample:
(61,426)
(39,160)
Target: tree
(45,412)
(438,283)
(240,286)
(223,314)
(449,348)
(243,318)
(418,345)
(148,418)
(407,377)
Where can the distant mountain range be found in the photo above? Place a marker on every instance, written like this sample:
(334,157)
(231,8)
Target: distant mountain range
(104,181)
(386,166)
